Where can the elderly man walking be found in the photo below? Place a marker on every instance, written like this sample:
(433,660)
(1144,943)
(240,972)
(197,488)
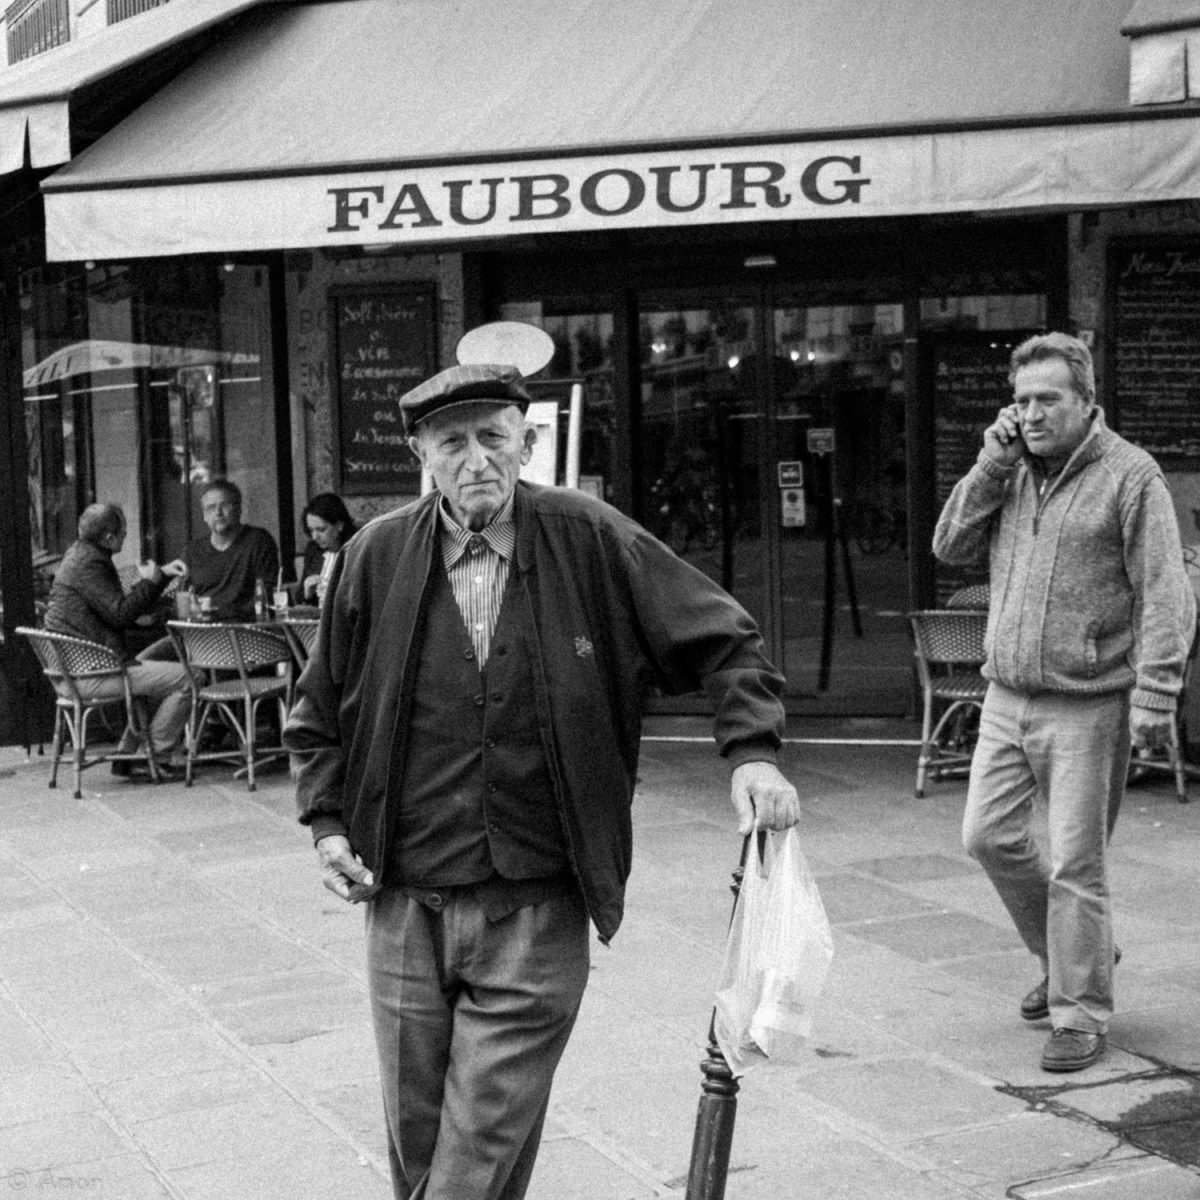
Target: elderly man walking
(1090,622)
(466,738)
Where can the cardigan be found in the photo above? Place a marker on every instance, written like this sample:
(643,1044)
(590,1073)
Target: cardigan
(613,611)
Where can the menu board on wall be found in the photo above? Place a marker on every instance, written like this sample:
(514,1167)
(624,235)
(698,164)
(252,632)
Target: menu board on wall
(382,343)
(970,386)
(1154,363)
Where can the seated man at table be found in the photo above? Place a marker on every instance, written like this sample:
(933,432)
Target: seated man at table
(227,563)
(87,601)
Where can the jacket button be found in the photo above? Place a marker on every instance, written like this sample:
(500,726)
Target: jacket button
(468,654)
(479,700)
(491,787)
(435,900)
(489,742)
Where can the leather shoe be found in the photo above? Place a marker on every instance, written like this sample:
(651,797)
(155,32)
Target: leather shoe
(1072,1050)
(1036,1005)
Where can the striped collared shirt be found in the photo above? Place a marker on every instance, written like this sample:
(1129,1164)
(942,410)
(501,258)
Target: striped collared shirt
(477,565)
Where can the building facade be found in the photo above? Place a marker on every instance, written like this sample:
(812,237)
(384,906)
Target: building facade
(785,274)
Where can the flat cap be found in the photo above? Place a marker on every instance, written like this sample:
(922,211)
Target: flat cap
(472,383)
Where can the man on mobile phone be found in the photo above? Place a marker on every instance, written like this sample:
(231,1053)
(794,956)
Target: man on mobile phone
(1090,622)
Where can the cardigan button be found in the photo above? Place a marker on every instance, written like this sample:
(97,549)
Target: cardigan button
(468,654)
(479,700)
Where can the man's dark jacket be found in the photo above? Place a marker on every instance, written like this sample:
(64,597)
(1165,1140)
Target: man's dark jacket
(87,600)
(614,611)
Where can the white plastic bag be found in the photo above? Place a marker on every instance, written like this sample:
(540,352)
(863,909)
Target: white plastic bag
(777,956)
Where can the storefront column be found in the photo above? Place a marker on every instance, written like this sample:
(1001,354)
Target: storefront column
(25,709)
(281,387)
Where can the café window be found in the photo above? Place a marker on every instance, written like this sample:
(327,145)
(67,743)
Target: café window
(142,382)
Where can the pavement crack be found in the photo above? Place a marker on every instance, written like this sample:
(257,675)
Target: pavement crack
(1163,1124)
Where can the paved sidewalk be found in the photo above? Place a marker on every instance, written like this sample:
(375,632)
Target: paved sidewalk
(182,1005)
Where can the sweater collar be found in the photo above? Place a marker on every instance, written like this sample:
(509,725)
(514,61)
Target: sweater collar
(1093,446)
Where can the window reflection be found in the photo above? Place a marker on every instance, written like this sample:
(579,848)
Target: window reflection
(699,442)
(141,383)
(583,354)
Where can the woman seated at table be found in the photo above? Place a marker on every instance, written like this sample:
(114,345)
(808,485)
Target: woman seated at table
(329,526)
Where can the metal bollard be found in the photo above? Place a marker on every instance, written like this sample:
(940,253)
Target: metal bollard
(713,1138)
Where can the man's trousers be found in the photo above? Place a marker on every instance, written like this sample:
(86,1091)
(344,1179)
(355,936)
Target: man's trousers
(164,685)
(471,1018)
(1074,752)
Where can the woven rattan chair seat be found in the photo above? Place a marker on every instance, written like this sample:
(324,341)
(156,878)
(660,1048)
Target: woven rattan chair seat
(229,690)
(961,687)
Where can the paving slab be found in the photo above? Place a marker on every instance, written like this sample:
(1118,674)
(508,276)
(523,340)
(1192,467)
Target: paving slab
(1134,1179)
(58,1140)
(1024,1144)
(902,1099)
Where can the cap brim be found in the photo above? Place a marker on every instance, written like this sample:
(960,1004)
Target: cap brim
(498,401)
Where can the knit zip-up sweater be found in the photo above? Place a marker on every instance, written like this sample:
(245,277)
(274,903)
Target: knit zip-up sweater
(1088,590)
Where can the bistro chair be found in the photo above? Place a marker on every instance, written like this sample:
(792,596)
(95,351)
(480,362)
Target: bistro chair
(241,665)
(65,662)
(302,637)
(974,595)
(948,645)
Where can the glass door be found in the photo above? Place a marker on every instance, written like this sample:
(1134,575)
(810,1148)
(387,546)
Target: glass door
(700,444)
(771,456)
(837,412)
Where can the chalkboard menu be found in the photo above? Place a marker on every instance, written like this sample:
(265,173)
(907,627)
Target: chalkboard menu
(970,386)
(382,343)
(967,374)
(1154,364)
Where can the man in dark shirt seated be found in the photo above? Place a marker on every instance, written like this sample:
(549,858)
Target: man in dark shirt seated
(226,564)
(87,601)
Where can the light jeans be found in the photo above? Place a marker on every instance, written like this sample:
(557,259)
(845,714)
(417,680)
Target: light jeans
(1073,751)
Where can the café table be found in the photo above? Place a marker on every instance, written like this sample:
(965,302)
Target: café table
(300,629)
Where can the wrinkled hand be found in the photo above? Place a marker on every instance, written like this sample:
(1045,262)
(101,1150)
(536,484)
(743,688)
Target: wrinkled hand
(176,567)
(759,789)
(343,871)
(1150,728)
(1002,439)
